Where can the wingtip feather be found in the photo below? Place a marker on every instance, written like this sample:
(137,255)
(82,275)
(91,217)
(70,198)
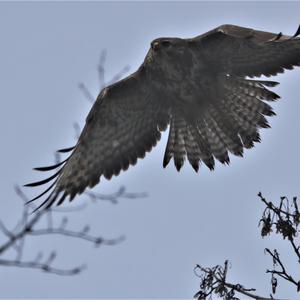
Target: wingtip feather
(166,160)
(49,168)
(297,32)
(37,183)
(65,150)
(43,193)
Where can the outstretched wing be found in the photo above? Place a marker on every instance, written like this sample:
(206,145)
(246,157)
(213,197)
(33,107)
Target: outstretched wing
(247,52)
(124,123)
(236,110)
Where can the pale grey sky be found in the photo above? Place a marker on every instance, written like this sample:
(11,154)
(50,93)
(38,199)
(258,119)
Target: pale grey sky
(188,218)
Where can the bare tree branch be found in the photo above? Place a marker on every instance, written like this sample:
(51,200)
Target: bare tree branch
(113,198)
(41,266)
(101,69)
(101,77)
(213,281)
(282,273)
(75,234)
(86,92)
(119,75)
(283,219)
(27,227)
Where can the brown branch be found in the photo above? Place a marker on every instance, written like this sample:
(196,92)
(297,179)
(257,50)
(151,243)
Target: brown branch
(295,248)
(238,288)
(277,261)
(284,220)
(271,206)
(213,281)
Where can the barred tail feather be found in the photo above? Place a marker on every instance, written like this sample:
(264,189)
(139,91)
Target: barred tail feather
(204,146)
(228,131)
(229,123)
(170,144)
(179,146)
(216,141)
(192,149)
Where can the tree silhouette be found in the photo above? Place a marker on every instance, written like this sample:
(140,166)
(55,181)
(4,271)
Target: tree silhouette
(282,219)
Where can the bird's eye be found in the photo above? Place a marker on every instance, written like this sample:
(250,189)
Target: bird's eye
(155,45)
(160,44)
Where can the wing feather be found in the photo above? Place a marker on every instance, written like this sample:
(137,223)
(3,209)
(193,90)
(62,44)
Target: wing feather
(247,52)
(124,123)
(201,89)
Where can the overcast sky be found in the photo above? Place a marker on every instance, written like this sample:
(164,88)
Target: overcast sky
(188,218)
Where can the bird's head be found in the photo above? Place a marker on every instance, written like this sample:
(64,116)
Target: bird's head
(169,46)
(170,56)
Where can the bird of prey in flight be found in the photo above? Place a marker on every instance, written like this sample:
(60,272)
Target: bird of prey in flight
(198,86)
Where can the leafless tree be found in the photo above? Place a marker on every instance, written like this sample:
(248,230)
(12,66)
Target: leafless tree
(282,219)
(31,225)
(102,78)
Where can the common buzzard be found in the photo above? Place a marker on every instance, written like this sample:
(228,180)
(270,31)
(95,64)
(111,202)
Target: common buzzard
(199,86)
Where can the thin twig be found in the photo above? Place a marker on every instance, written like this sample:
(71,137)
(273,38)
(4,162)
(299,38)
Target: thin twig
(26,227)
(277,261)
(114,197)
(75,234)
(41,266)
(101,77)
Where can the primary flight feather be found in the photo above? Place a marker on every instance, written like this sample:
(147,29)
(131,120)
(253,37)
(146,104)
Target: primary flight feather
(199,87)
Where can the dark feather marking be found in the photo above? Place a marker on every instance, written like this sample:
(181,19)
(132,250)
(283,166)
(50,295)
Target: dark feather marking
(170,144)
(45,201)
(229,131)
(43,181)
(179,146)
(51,201)
(267,83)
(247,118)
(43,193)
(65,150)
(192,149)
(49,168)
(73,194)
(204,147)
(61,200)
